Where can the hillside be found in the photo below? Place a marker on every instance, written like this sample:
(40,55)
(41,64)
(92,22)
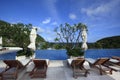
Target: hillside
(17,34)
(110,42)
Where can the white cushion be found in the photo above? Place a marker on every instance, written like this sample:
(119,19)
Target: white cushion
(114,60)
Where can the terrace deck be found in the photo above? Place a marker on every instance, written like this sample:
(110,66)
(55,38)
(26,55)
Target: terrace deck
(59,70)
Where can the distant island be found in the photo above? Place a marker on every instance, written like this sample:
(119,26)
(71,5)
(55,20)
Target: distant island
(110,42)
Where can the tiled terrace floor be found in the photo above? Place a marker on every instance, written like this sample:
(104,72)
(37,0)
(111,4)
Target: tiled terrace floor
(59,70)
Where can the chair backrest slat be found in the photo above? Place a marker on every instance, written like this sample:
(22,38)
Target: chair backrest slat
(13,63)
(78,62)
(101,61)
(40,63)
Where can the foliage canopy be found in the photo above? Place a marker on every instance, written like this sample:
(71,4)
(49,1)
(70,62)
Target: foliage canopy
(17,35)
(71,36)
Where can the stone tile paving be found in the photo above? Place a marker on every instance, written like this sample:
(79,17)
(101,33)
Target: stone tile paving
(59,70)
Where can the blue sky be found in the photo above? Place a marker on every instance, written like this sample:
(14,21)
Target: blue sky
(101,16)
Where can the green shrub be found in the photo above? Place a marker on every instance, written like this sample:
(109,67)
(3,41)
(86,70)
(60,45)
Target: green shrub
(75,52)
(25,52)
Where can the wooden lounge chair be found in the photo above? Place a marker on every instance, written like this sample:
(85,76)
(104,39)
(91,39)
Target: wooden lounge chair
(12,67)
(116,57)
(40,69)
(3,49)
(11,70)
(115,60)
(78,68)
(114,63)
(100,65)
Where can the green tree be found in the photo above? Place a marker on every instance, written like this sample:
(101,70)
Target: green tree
(17,35)
(44,45)
(21,36)
(57,46)
(71,36)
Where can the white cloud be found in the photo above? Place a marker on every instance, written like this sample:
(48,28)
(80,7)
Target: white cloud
(72,16)
(101,9)
(54,23)
(95,11)
(46,21)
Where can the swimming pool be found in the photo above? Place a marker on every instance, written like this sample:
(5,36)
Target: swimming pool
(61,54)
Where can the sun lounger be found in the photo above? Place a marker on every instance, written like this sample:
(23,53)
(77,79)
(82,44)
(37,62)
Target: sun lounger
(77,67)
(113,64)
(100,65)
(116,57)
(40,68)
(115,67)
(11,70)
(30,66)
(115,60)
(2,49)
(12,67)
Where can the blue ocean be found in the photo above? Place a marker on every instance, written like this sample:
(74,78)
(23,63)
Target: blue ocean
(61,54)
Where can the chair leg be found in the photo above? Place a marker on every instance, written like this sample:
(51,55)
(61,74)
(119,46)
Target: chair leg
(86,73)
(101,72)
(111,71)
(74,75)
(0,78)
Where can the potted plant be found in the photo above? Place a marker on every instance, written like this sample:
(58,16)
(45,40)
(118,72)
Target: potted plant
(25,52)
(75,52)
(70,36)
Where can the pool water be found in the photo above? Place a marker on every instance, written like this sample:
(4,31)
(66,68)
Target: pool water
(51,54)
(61,54)
(99,53)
